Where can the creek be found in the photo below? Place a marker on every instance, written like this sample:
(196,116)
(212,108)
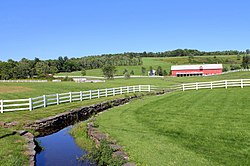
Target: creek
(60,149)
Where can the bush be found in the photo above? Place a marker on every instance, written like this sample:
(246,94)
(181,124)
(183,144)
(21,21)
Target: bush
(235,67)
(67,79)
(103,155)
(225,69)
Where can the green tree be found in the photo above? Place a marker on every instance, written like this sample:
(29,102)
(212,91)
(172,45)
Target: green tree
(143,70)
(238,57)
(165,73)
(150,70)
(83,72)
(132,72)
(245,61)
(125,71)
(247,51)
(109,71)
(159,71)
(127,75)
(42,69)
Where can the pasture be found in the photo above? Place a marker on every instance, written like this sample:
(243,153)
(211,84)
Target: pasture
(26,90)
(165,63)
(204,127)
(132,125)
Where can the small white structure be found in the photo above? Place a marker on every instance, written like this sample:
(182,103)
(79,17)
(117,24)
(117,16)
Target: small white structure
(56,80)
(152,74)
(83,80)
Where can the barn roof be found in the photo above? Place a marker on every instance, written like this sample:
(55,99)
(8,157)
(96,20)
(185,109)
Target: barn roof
(197,67)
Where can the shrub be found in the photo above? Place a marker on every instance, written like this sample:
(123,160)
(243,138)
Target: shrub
(103,155)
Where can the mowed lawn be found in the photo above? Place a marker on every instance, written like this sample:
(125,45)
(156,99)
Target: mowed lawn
(204,127)
(13,149)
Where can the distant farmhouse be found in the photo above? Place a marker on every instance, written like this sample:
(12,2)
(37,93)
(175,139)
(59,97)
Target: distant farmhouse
(196,70)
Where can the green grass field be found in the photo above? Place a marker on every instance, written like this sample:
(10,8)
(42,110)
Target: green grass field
(165,63)
(205,127)
(12,153)
(26,90)
(12,149)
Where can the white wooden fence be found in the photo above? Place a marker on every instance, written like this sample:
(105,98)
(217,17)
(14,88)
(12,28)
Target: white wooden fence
(53,99)
(214,84)
(233,71)
(23,80)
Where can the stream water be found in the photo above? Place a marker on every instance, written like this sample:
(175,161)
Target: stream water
(60,149)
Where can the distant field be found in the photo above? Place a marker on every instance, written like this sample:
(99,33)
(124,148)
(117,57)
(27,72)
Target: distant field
(165,63)
(204,127)
(26,90)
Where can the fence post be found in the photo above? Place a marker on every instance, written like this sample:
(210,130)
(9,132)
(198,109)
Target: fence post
(44,101)
(70,97)
(57,99)
(106,92)
(98,93)
(113,91)
(226,84)
(139,88)
(134,89)
(211,85)
(1,106)
(90,94)
(241,83)
(31,104)
(80,95)
(183,87)
(127,89)
(196,86)
(120,90)
(149,88)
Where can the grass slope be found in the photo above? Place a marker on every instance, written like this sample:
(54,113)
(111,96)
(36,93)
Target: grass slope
(165,63)
(12,149)
(205,127)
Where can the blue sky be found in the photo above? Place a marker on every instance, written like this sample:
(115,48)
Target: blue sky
(50,28)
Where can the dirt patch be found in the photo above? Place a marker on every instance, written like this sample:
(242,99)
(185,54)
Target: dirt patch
(13,89)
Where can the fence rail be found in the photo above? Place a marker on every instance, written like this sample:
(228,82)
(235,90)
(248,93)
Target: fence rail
(213,84)
(56,99)
(23,80)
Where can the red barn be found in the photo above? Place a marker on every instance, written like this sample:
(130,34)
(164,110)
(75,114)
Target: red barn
(196,70)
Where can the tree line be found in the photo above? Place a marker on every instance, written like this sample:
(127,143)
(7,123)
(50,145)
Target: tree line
(26,68)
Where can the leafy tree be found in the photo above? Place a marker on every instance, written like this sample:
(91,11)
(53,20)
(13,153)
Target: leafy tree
(109,71)
(125,71)
(238,57)
(83,72)
(42,69)
(159,71)
(247,51)
(225,69)
(245,61)
(143,70)
(127,75)
(165,73)
(132,72)
(150,70)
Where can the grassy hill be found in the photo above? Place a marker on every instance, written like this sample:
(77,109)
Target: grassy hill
(205,127)
(165,63)
(12,151)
